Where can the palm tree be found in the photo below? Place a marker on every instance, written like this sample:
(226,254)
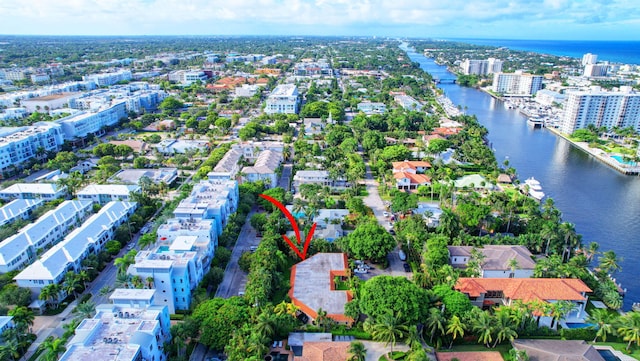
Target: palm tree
(122,280)
(504,328)
(85,309)
(265,325)
(629,328)
(322,320)
(72,283)
(482,325)
(285,308)
(602,321)
(149,282)
(53,347)
(50,293)
(435,325)
(10,350)
(389,329)
(358,351)
(455,328)
(609,262)
(591,251)
(22,318)
(83,276)
(558,310)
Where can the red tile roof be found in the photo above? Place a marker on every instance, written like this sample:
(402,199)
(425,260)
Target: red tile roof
(526,289)
(324,351)
(413,164)
(413,178)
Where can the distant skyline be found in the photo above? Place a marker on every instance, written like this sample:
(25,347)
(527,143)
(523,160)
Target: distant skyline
(500,19)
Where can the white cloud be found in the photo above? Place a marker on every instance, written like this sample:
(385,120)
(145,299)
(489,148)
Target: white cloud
(215,16)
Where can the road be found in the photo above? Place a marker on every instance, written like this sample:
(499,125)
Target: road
(375,202)
(235,279)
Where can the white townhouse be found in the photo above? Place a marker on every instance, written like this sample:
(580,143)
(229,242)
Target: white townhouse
(264,169)
(18,209)
(67,255)
(119,332)
(45,191)
(105,193)
(20,249)
(228,167)
(283,100)
(106,79)
(320,177)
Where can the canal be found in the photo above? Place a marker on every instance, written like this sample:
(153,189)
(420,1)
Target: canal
(603,204)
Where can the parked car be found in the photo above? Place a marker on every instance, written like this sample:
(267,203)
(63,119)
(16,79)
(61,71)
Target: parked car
(360,270)
(253,248)
(402,255)
(392,232)
(406,266)
(385,213)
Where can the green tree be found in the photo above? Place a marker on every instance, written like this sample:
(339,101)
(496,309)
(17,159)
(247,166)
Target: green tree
(63,161)
(217,319)
(455,328)
(601,320)
(170,105)
(85,310)
(629,328)
(482,325)
(53,348)
(388,328)
(504,328)
(369,241)
(435,325)
(404,298)
(358,351)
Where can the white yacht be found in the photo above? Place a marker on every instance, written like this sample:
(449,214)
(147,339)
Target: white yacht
(535,189)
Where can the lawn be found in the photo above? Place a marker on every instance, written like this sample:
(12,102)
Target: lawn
(502,348)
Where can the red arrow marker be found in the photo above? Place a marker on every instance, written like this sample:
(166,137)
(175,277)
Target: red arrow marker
(302,254)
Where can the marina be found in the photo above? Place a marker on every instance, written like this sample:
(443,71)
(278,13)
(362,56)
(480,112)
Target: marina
(603,203)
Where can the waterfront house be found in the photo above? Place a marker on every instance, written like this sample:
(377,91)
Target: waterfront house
(490,292)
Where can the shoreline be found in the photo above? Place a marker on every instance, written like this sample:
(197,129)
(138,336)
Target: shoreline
(598,154)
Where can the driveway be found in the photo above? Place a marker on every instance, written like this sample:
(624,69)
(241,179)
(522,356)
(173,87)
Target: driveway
(235,279)
(375,202)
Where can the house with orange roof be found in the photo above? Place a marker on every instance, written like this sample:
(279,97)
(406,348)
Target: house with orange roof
(409,174)
(313,286)
(446,132)
(268,71)
(488,292)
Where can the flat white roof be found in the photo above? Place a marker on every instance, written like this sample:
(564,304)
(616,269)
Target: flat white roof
(111,189)
(132,294)
(183,243)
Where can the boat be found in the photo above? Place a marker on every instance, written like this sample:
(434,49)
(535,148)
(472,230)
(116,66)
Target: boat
(536,122)
(534,188)
(508,105)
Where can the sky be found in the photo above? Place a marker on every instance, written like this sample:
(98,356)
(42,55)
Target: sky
(498,19)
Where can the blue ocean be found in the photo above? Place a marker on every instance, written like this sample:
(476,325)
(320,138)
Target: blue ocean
(626,52)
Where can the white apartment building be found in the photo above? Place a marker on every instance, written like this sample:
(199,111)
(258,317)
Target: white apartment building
(186,77)
(105,193)
(176,272)
(549,97)
(211,199)
(595,70)
(589,58)
(46,191)
(602,109)
(106,79)
(40,78)
(13,113)
(320,177)
(21,249)
(122,333)
(79,125)
(481,67)
(18,209)
(283,100)
(67,255)
(13,74)
(18,145)
(251,150)
(517,83)
(264,169)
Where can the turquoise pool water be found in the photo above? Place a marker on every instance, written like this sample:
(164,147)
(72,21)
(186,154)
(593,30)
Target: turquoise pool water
(620,159)
(578,325)
(608,355)
(162,249)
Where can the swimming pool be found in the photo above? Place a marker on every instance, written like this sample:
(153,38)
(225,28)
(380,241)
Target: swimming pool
(620,159)
(608,355)
(162,249)
(578,325)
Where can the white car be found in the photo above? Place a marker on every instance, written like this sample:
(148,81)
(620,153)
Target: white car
(360,270)
(385,213)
